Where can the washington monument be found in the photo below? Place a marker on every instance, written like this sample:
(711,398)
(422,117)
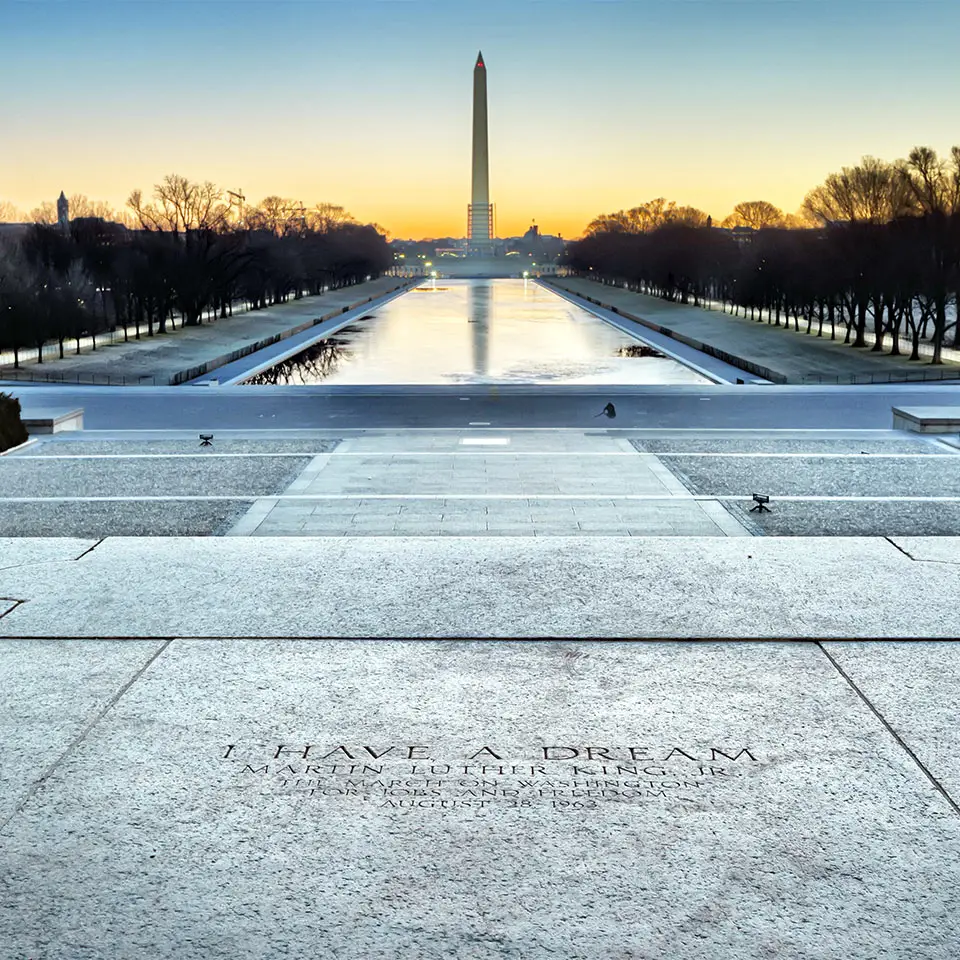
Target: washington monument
(480,211)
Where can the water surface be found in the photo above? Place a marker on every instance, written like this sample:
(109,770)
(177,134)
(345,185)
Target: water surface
(479,331)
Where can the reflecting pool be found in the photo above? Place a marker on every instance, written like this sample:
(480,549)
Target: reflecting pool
(478,331)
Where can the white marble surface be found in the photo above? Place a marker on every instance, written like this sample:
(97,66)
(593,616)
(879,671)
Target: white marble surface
(51,691)
(931,549)
(915,687)
(25,551)
(154,839)
(487,587)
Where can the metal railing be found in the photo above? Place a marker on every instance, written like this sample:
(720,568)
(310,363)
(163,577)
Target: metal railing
(904,376)
(92,379)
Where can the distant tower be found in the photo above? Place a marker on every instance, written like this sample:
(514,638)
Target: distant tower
(480,210)
(63,212)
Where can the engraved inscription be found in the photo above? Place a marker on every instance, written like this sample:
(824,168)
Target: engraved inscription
(568,777)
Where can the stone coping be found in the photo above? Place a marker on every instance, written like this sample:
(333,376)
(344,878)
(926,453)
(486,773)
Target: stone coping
(927,419)
(51,420)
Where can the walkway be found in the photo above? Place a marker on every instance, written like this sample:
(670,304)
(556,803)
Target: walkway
(763,350)
(483,483)
(177,356)
(465,484)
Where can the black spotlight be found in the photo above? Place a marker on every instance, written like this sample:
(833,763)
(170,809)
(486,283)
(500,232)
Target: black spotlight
(760,503)
(206,439)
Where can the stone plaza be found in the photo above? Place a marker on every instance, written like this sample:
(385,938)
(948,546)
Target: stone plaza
(472,669)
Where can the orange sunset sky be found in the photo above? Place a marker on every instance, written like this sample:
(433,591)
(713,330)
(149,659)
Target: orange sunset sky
(593,106)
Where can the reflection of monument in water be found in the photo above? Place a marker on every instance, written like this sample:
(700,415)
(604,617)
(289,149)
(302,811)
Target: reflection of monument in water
(479,319)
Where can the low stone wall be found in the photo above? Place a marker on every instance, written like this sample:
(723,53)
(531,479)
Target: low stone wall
(927,419)
(182,376)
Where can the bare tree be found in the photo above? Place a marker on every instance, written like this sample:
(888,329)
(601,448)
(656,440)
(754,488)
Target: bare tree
(935,188)
(647,217)
(934,182)
(82,206)
(874,191)
(181,205)
(45,213)
(324,217)
(9,213)
(272,214)
(756,214)
(801,220)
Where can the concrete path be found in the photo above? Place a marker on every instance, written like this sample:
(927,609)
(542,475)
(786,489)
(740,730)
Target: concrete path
(465,484)
(762,349)
(183,353)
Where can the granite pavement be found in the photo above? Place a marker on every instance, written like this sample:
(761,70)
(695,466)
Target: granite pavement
(251,798)
(535,587)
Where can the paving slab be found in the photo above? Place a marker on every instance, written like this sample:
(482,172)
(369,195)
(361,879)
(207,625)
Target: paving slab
(131,518)
(433,586)
(492,491)
(816,476)
(191,447)
(934,551)
(201,476)
(20,551)
(915,688)
(51,691)
(854,446)
(259,798)
(812,518)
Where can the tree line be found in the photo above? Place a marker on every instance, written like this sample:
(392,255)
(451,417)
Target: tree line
(190,252)
(873,254)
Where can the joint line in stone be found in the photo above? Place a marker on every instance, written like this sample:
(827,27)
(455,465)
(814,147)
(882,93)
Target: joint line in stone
(893,733)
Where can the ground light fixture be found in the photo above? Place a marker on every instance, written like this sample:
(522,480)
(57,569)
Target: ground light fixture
(760,502)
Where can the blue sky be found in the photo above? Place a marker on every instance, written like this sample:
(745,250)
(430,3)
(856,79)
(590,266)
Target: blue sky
(594,104)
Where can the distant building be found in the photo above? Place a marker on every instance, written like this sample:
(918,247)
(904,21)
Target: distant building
(63,212)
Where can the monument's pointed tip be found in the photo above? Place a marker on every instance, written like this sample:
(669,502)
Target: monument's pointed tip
(480,62)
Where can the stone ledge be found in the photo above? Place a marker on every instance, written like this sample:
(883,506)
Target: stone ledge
(52,420)
(927,419)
